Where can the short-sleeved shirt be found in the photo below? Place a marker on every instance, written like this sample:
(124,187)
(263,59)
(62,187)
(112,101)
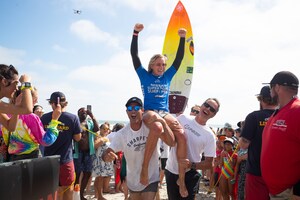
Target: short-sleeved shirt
(63,144)
(200,139)
(132,143)
(280,154)
(252,131)
(156,89)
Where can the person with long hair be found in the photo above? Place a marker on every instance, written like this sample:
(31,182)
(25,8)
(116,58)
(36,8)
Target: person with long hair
(155,84)
(9,81)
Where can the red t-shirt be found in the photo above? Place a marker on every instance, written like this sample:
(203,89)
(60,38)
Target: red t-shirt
(280,155)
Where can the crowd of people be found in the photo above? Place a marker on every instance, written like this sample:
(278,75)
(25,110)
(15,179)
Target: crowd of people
(258,160)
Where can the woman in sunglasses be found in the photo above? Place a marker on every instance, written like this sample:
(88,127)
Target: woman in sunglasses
(23,143)
(155,84)
(9,80)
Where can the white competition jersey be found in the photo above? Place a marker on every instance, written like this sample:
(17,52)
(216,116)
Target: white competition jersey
(132,143)
(199,139)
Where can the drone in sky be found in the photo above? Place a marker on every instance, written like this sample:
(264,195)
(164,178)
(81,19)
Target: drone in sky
(78,12)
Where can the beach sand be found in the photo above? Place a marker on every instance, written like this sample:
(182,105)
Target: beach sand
(162,192)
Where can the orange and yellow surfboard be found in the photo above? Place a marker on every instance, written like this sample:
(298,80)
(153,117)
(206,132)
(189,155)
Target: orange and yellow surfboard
(182,81)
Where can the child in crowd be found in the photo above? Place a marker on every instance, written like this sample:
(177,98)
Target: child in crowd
(217,169)
(228,163)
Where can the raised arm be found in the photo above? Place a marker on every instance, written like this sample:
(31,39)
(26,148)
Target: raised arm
(134,45)
(26,105)
(180,50)
(95,122)
(52,132)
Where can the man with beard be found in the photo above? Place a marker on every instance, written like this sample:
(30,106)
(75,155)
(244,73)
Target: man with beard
(132,140)
(280,158)
(84,149)
(251,138)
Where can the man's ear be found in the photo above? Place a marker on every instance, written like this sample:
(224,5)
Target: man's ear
(4,82)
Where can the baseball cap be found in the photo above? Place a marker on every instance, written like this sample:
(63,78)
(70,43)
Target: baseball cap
(285,78)
(228,126)
(134,100)
(227,139)
(55,95)
(265,92)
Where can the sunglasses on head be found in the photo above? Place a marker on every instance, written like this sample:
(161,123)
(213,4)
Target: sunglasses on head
(195,111)
(210,107)
(131,108)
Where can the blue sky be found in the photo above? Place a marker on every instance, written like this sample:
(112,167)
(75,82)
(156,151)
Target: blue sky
(239,44)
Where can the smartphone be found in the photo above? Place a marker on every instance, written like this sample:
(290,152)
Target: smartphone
(89,107)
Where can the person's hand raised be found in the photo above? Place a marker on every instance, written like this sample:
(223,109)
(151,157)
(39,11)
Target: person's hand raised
(138,27)
(182,32)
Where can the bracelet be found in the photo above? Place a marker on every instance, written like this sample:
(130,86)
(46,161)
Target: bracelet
(54,123)
(23,88)
(26,85)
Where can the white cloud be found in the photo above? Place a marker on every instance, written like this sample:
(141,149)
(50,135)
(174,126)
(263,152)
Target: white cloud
(238,45)
(87,31)
(58,48)
(11,56)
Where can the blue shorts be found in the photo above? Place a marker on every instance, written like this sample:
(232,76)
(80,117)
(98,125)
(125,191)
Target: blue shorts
(84,162)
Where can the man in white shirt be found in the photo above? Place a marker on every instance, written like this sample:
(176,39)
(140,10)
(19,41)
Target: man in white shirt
(200,139)
(131,140)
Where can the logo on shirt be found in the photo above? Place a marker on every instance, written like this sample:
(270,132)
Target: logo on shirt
(138,143)
(187,127)
(263,123)
(279,125)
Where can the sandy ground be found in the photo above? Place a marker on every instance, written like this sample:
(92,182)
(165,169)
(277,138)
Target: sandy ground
(162,192)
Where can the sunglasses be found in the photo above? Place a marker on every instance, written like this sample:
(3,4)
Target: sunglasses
(209,106)
(131,108)
(195,111)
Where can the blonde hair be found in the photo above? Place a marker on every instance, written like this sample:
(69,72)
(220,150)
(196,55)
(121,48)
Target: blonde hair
(154,58)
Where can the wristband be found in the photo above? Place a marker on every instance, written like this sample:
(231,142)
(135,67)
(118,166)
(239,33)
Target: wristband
(135,33)
(26,85)
(54,123)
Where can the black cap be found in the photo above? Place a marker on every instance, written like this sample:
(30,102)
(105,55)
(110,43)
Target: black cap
(265,92)
(285,78)
(55,95)
(134,99)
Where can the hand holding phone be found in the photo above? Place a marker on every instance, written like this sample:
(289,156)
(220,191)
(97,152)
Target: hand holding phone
(89,107)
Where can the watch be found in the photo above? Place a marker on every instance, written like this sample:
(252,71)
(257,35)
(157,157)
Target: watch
(26,85)
(193,166)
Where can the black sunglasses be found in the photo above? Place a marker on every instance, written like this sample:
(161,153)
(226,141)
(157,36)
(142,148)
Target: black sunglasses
(210,107)
(136,108)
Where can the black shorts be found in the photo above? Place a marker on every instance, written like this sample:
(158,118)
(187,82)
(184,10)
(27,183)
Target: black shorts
(192,180)
(163,162)
(152,187)
(296,189)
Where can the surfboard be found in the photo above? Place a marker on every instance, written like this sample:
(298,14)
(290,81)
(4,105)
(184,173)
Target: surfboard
(182,81)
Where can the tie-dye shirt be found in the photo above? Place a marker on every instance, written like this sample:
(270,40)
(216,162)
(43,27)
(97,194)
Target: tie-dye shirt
(29,134)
